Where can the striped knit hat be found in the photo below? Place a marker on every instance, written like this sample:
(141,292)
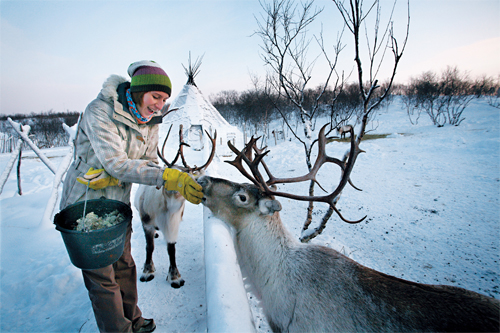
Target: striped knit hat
(147,75)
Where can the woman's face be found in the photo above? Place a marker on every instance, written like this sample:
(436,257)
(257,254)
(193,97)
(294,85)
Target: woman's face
(152,101)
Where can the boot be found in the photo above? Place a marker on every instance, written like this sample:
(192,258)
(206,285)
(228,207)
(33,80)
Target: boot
(148,326)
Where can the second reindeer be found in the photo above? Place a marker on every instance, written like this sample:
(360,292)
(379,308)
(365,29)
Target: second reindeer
(162,210)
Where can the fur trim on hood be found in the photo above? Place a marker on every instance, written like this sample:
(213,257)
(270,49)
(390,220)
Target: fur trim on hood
(110,85)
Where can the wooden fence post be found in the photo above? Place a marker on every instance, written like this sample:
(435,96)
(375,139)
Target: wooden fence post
(19,191)
(15,154)
(43,158)
(61,171)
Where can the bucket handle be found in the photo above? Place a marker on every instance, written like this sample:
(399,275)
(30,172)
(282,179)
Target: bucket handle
(85,207)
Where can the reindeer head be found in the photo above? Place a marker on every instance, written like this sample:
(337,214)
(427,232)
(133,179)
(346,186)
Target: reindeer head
(236,203)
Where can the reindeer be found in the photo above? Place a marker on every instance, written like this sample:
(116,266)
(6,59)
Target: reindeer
(160,209)
(306,287)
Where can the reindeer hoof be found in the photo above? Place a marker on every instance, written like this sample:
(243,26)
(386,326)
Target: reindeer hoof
(146,277)
(177,283)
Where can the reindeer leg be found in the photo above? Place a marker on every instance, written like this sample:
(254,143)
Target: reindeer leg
(171,231)
(150,233)
(174,277)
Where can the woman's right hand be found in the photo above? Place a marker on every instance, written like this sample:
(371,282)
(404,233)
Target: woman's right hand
(181,182)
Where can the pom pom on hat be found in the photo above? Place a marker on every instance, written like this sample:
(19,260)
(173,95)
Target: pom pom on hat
(147,75)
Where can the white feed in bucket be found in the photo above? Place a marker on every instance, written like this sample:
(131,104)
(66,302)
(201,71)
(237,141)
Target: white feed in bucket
(94,222)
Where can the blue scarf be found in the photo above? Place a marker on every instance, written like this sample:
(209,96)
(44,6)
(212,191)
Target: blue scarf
(133,109)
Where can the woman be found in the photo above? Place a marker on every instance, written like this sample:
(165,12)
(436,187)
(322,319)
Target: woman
(116,146)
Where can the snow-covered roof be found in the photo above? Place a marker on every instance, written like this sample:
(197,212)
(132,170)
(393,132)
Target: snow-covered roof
(191,109)
(190,106)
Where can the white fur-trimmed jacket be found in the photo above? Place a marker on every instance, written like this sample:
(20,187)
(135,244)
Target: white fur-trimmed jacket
(110,138)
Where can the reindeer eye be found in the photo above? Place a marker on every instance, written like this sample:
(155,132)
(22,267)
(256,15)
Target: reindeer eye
(243,198)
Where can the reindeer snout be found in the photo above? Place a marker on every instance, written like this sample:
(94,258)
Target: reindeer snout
(203,181)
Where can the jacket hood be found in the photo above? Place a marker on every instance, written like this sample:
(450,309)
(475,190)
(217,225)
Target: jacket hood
(110,86)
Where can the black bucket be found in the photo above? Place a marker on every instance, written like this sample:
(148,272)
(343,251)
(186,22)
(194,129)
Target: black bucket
(97,248)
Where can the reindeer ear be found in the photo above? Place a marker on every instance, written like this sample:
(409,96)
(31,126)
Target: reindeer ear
(269,206)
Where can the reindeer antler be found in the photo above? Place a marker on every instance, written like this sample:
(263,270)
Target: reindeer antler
(180,152)
(322,158)
(212,152)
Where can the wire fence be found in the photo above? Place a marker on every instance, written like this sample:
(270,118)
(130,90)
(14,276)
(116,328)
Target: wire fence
(9,142)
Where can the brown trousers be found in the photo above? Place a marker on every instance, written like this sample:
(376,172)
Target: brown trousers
(113,293)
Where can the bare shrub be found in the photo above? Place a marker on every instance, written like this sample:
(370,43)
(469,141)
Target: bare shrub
(488,87)
(422,94)
(456,94)
(444,99)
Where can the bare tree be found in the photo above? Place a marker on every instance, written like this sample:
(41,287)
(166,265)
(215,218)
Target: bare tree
(378,43)
(283,29)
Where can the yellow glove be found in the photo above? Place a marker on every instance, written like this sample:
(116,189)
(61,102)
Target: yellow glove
(181,182)
(99,179)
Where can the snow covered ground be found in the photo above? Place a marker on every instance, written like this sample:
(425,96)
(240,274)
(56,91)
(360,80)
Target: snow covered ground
(431,195)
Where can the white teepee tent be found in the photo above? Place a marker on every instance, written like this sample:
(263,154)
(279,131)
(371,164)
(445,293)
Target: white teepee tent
(196,115)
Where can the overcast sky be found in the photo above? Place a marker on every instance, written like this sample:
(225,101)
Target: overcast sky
(56,54)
